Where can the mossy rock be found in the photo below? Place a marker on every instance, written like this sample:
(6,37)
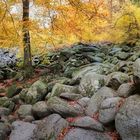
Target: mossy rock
(11,91)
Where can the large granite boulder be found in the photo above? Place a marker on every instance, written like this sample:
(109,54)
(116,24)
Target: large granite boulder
(62,107)
(82,134)
(127,120)
(90,83)
(125,90)
(109,109)
(51,127)
(136,68)
(40,109)
(35,93)
(115,79)
(23,131)
(96,100)
(61,88)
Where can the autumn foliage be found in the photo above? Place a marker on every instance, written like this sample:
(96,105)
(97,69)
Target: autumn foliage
(58,22)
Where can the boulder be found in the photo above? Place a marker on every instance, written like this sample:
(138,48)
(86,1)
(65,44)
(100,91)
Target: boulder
(82,134)
(4,130)
(90,83)
(96,100)
(83,101)
(109,109)
(125,90)
(35,93)
(81,71)
(12,91)
(23,131)
(24,110)
(40,109)
(127,120)
(115,79)
(62,107)
(4,111)
(61,88)
(70,96)
(123,55)
(88,123)
(136,67)
(51,127)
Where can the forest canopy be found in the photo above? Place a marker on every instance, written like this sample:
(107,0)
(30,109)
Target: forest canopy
(54,23)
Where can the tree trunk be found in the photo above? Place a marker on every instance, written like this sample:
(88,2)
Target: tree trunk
(26,36)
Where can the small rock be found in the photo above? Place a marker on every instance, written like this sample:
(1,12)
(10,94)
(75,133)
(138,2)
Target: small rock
(125,90)
(24,110)
(40,109)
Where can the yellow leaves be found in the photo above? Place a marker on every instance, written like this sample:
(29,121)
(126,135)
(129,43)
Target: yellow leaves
(74,20)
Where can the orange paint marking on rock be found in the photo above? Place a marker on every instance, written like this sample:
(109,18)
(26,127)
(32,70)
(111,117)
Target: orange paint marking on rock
(114,135)
(96,116)
(63,133)
(120,103)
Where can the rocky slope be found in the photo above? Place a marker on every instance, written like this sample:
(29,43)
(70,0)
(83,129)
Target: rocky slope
(87,92)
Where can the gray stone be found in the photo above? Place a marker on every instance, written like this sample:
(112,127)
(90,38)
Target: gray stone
(62,107)
(24,110)
(9,104)
(88,123)
(115,79)
(90,83)
(136,68)
(96,100)
(3,100)
(51,127)
(82,134)
(35,93)
(4,130)
(83,101)
(40,109)
(127,120)
(71,96)
(109,109)
(28,118)
(80,72)
(123,55)
(4,111)
(125,90)
(23,131)
(61,88)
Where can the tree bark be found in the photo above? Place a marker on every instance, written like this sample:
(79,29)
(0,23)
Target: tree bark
(26,36)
